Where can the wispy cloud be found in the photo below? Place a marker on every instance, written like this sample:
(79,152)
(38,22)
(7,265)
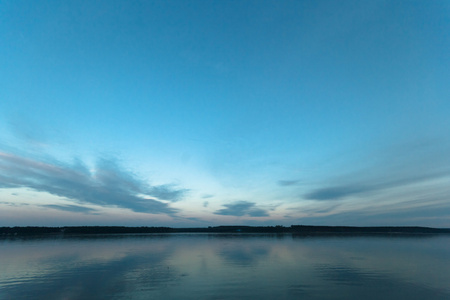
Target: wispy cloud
(28,131)
(168,192)
(288,182)
(406,165)
(339,192)
(13,204)
(107,185)
(71,208)
(432,215)
(242,208)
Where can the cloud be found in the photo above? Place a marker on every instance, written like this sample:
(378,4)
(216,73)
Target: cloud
(412,163)
(28,130)
(432,215)
(338,192)
(13,204)
(167,192)
(107,185)
(205,204)
(322,209)
(242,208)
(287,182)
(71,208)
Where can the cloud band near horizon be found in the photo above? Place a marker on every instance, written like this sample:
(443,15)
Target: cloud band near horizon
(108,185)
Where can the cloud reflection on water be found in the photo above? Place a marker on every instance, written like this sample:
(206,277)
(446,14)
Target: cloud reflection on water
(224,266)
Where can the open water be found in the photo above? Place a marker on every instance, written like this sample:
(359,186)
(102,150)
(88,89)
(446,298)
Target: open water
(225,266)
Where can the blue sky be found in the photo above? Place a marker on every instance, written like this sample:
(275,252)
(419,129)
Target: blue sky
(199,113)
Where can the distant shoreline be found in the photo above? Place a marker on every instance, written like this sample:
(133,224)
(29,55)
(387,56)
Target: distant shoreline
(293,229)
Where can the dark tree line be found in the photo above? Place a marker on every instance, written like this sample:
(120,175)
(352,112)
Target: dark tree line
(294,229)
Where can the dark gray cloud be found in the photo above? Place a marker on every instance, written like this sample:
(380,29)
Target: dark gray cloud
(410,164)
(242,208)
(71,208)
(108,185)
(288,182)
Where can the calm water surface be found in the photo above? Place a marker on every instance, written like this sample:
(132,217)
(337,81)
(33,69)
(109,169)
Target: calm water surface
(221,266)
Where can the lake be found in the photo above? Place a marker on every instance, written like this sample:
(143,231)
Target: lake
(225,266)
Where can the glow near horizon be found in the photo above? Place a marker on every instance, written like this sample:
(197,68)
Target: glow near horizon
(206,113)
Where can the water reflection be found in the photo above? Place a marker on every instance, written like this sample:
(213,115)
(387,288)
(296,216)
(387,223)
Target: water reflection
(243,254)
(205,266)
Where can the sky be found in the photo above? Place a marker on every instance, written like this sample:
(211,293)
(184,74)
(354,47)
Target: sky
(205,113)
